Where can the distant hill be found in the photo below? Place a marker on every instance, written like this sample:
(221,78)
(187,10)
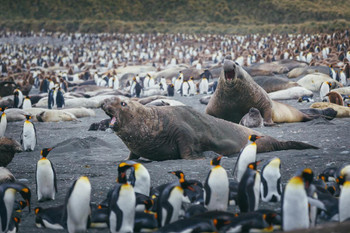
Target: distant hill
(217,16)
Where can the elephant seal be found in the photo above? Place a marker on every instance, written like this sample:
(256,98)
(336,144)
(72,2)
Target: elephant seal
(274,83)
(252,119)
(180,132)
(314,81)
(237,93)
(205,99)
(8,148)
(290,93)
(342,111)
(54,115)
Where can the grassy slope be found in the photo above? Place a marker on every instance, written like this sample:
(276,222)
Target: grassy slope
(224,16)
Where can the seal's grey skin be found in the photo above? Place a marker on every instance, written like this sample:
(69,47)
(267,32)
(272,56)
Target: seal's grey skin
(252,119)
(180,132)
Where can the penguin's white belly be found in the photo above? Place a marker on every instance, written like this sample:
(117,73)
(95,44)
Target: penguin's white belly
(142,183)
(29,137)
(295,210)
(185,89)
(9,199)
(52,226)
(3,125)
(247,156)
(78,207)
(257,190)
(126,203)
(271,177)
(27,104)
(45,181)
(344,203)
(219,189)
(175,200)
(203,86)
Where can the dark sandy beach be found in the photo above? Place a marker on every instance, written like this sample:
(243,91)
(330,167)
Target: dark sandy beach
(97,153)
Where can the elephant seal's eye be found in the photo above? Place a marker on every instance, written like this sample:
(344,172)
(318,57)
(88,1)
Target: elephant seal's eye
(123,104)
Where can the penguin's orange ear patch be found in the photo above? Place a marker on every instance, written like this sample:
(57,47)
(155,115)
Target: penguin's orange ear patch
(36,210)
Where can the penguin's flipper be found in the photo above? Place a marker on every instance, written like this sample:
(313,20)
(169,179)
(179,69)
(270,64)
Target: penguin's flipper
(317,203)
(65,214)
(265,187)
(54,177)
(36,138)
(21,138)
(207,190)
(170,211)
(3,211)
(234,169)
(279,186)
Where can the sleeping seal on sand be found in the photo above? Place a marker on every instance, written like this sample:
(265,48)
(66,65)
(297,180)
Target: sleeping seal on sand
(180,132)
(237,92)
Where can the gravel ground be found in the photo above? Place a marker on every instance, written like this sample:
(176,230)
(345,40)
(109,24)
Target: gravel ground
(97,153)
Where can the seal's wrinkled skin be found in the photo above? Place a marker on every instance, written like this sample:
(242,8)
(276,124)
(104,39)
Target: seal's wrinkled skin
(180,132)
(237,92)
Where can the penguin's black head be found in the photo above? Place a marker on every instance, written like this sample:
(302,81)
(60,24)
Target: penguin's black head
(179,175)
(254,137)
(148,204)
(122,168)
(26,194)
(216,161)
(44,152)
(308,176)
(28,117)
(37,210)
(254,165)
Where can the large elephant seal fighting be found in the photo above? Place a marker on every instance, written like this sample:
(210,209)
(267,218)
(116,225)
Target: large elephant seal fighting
(180,132)
(237,92)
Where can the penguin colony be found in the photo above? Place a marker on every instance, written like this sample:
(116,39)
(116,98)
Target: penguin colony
(183,205)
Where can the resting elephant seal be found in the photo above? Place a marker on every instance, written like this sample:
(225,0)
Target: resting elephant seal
(180,132)
(237,92)
(342,111)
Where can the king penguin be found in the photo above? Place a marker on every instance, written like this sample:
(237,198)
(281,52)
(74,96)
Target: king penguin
(185,88)
(295,209)
(170,200)
(59,98)
(193,88)
(3,123)
(216,187)
(27,103)
(324,89)
(344,201)
(46,185)
(271,187)
(28,136)
(122,203)
(204,86)
(248,195)
(50,218)
(170,90)
(18,99)
(77,205)
(139,178)
(247,156)
(7,199)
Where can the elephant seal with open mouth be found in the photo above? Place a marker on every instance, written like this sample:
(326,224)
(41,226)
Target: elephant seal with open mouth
(180,132)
